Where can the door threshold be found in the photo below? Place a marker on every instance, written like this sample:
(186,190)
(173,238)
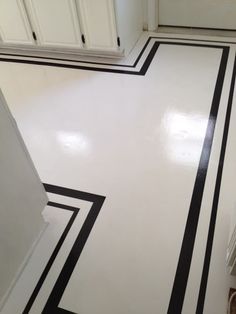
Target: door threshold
(196,31)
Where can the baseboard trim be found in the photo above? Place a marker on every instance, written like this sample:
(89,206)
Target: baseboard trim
(203,28)
(23,265)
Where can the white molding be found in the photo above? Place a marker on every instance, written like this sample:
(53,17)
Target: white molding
(22,266)
(152,15)
(54,51)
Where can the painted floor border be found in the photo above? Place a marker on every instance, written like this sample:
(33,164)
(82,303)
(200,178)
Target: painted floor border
(71,64)
(179,286)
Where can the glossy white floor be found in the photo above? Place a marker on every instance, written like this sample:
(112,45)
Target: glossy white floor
(139,139)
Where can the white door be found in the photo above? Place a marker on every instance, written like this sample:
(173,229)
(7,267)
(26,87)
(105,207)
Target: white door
(98,24)
(14,25)
(55,22)
(198,13)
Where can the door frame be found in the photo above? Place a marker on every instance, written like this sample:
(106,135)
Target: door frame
(150,15)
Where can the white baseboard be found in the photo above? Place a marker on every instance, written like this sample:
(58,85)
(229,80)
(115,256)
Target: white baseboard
(23,265)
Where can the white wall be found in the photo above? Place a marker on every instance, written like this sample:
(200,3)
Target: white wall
(130,21)
(22,199)
(200,13)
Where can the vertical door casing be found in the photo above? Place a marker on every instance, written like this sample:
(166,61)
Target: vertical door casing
(55,22)
(14,24)
(98,22)
(152,12)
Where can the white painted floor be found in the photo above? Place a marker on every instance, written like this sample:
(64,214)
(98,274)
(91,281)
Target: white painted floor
(137,140)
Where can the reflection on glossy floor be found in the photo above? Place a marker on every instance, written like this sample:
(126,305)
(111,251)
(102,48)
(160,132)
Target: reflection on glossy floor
(143,141)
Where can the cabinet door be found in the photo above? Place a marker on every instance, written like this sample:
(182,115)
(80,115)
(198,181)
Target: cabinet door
(14,24)
(98,24)
(55,22)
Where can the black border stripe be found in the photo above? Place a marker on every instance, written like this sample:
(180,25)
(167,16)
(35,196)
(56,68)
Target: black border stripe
(211,231)
(54,254)
(197,40)
(63,206)
(185,258)
(149,59)
(68,66)
(109,64)
(72,259)
(142,71)
(105,70)
(50,188)
(80,61)
(62,311)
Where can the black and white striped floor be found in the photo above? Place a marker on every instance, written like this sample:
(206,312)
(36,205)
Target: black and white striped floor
(138,160)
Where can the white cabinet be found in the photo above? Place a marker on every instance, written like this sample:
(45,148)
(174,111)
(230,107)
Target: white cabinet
(99,24)
(14,24)
(105,26)
(55,22)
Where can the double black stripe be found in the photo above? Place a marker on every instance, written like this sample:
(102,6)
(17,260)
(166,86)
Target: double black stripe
(211,231)
(142,71)
(47,268)
(30,55)
(186,253)
(72,259)
(76,60)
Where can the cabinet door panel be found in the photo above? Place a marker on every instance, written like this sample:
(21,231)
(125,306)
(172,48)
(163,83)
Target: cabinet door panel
(14,24)
(55,22)
(98,24)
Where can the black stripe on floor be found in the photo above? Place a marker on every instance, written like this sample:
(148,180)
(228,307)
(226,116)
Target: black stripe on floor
(185,258)
(42,278)
(211,231)
(29,55)
(141,72)
(80,61)
(72,259)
